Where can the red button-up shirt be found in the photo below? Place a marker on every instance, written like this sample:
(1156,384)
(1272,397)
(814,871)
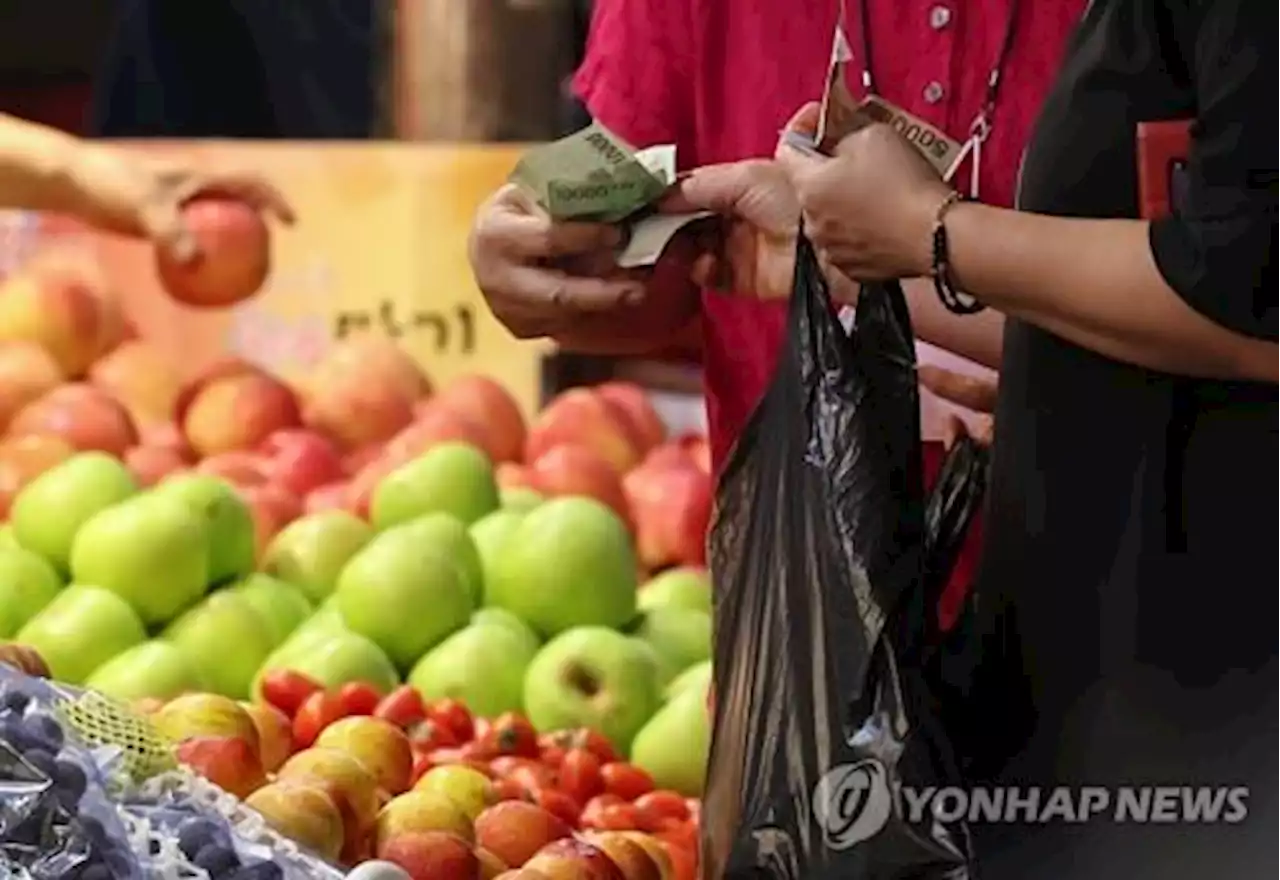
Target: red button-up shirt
(719,78)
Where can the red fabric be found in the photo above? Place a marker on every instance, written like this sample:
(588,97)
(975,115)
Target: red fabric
(966,566)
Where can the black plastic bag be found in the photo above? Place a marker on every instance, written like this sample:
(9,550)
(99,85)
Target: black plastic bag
(826,583)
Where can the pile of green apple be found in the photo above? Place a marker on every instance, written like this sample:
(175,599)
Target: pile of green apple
(494,597)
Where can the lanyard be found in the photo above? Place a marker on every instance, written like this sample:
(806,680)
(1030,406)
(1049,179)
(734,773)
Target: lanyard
(980,129)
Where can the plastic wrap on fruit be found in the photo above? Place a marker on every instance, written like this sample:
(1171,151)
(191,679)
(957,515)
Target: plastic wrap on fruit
(823,600)
(55,818)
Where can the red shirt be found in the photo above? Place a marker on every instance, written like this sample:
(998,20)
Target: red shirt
(719,78)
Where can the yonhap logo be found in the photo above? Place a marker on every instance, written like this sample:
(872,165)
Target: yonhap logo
(852,803)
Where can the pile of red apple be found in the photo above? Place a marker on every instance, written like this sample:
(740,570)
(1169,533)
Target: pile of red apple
(354,775)
(74,377)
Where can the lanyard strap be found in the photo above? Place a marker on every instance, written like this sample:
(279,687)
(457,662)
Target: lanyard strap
(982,122)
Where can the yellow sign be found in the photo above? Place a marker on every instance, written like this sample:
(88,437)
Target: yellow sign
(380,247)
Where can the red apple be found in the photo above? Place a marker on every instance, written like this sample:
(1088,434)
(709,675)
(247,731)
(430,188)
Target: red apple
(239,468)
(273,507)
(84,416)
(577,470)
(330,496)
(301,460)
(671,506)
(151,464)
(491,408)
(633,402)
(238,412)
(233,254)
(579,416)
(436,424)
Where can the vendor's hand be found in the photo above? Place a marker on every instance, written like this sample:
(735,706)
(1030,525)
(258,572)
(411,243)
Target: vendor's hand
(755,252)
(541,277)
(970,392)
(127,193)
(870,208)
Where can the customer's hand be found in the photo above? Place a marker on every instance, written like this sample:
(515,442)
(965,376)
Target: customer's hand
(122,191)
(755,254)
(540,277)
(970,392)
(869,208)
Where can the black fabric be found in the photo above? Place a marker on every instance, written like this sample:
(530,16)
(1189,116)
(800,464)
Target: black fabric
(1127,592)
(239,69)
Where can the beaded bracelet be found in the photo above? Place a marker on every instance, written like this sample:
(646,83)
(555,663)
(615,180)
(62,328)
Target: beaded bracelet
(955,301)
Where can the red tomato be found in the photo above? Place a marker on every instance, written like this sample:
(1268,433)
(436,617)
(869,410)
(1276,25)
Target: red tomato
(594,810)
(504,765)
(403,707)
(509,790)
(288,690)
(657,807)
(317,712)
(615,817)
(552,756)
(580,775)
(512,734)
(558,804)
(684,859)
(596,743)
(534,777)
(359,698)
(421,765)
(627,781)
(427,736)
(455,717)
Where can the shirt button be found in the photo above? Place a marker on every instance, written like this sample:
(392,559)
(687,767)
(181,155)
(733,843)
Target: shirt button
(933,92)
(939,17)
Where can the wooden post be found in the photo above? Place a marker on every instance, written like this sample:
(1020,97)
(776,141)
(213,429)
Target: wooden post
(480,70)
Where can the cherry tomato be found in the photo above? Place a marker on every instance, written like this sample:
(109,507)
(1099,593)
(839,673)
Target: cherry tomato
(625,780)
(512,734)
(427,736)
(403,707)
(657,807)
(479,751)
(459,756)
(596,743)
(552,756)
(534,777)
(288,690)
(455,717)
(509,790)
(593,811)
(558,804)
(504,765)
(316,713)
(480,728)
(684,859)
(421,765)
(359,698)
(615,817)
(561,739)
(580,775)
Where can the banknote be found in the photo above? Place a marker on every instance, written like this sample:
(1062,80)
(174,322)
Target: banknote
(649,236)
(838,115)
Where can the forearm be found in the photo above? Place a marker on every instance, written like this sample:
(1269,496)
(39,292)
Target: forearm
(1094,282)
(36,167)
(979,337)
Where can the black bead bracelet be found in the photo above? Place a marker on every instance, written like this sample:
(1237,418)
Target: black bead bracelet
(955,301)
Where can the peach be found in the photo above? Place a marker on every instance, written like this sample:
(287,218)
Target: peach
(84,416)
(27,373)
(60,309)
(379,361)
(574,859)
(238,412)
(199,714)
(301,460)
(631,858)
(228,762)
(579,416)
(140,377)
(275,734)
(222,368)
(633,402)
(151,464)
(514,831)
(356,412)
(419,811)
(656,850)
(233,254)
(354,788)
(577,470)
(671,507)
(433,425)
(379,745)
(491,408)
(431,855)
(490,865)
(303,812)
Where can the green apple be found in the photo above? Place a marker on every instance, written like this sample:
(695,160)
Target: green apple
(482,665)
(519,498)
(696,676)
(49,511)
(502,617)
(490,534)
(673,747)
(82,628)
(593,677)
(404,597)
(225,640)
(448,534)
(311,551)
(685,587)
(680,636)
(27,584)
(154,669)
(227,519)
(281,606)
(337,659)
(568,563)
(6,536)
(451,478)
(153,550)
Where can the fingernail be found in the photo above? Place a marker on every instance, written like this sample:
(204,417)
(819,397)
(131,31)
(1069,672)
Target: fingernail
(633,296)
